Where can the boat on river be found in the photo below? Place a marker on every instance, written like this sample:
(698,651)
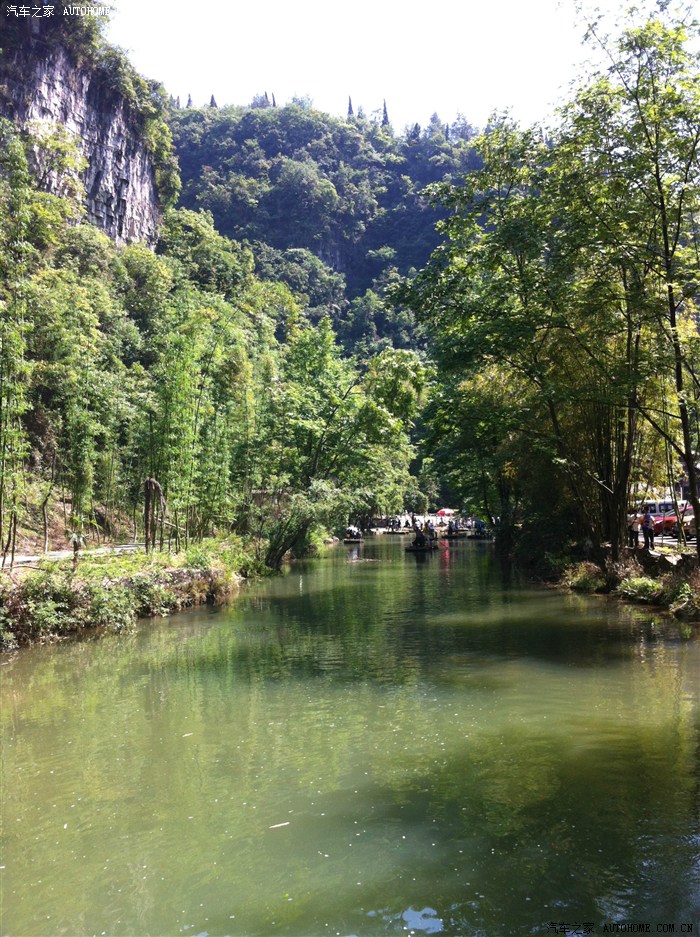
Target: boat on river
(422,548)
(353,535)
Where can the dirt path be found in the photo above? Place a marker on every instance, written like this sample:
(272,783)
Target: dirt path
(27,559)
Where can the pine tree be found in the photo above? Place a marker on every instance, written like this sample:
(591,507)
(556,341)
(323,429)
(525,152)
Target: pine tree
(351,113)
(213,103)
(274,103)
(385,116)
(189,100)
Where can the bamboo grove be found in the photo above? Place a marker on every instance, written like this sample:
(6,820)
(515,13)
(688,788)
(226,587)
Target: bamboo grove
(564,302)
(172,395)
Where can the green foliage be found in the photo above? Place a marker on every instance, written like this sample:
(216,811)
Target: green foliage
(641,589)
(211,261)
(110,591)
(153,597)
(314,284)
(561,304)
(197,556)
(584,577)
(679,593)
(327,203)
(312,543)
(49,603)
(111,607)
(183,376)
(8,639)
(53,603)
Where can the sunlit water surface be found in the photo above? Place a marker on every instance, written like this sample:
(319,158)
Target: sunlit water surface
(374,743)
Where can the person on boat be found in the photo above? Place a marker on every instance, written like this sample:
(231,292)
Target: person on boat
(450,528)
(420,540)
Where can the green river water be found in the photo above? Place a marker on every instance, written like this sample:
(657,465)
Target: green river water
(371,744)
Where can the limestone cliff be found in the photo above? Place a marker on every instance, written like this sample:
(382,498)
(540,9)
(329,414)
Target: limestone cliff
(42,82)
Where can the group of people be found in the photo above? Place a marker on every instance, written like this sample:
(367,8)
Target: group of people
(396,524)
(645,523)
(425,535)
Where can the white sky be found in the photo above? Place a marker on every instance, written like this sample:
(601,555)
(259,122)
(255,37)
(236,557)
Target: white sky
(450,56)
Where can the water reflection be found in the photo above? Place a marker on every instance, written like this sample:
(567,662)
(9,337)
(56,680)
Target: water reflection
(366,745)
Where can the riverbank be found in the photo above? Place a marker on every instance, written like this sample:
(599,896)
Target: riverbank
(666,578)
(57,599)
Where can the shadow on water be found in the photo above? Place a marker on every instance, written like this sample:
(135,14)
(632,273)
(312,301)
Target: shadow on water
(500,843)
(382,615)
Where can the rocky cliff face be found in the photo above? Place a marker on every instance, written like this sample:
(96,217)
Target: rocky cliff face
(45,85)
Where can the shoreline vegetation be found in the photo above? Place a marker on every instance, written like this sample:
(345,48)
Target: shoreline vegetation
(666,579)
(338,322)
(107,592)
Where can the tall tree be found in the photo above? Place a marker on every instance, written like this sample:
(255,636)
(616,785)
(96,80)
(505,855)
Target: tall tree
(573,263)
(15,251)
(631,143)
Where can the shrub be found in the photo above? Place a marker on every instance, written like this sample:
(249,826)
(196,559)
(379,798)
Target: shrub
(641,589)
(47,604)
(111,590)
(152,597)
(197,557)
(8,641)
(311,543)
(111,607)
(238,557)
(584,577)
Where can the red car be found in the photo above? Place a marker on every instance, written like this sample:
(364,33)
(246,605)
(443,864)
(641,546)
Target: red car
(665,523)
(666,519)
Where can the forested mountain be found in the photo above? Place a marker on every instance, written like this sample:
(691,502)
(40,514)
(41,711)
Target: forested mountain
(333,208)
(264,368)
(199,389)
(184,372)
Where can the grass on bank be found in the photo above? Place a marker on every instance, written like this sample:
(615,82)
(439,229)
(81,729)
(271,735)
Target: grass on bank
(110,591)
